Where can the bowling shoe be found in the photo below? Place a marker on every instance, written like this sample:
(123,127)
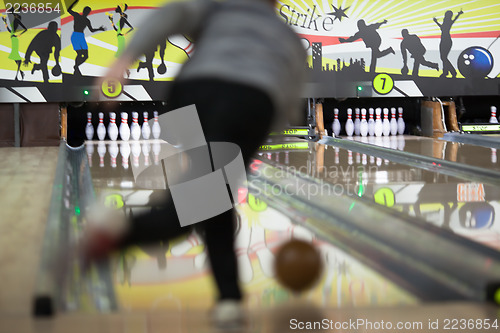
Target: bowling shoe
(228,314)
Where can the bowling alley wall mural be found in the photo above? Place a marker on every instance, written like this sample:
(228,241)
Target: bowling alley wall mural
(355,48)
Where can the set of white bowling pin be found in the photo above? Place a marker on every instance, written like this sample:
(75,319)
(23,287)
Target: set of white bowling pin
(493,116)
(133,132)
(363,158)
(377,126)
(276,156)
(126,150)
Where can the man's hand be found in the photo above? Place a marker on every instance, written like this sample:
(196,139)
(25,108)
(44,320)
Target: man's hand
(116,71)
(404,70)
(26,62)
(342,40)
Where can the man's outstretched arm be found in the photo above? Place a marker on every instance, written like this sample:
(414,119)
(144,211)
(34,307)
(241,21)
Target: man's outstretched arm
(70,8)
(353,38)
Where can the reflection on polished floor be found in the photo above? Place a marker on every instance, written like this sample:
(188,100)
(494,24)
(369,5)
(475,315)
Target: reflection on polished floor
(168,287)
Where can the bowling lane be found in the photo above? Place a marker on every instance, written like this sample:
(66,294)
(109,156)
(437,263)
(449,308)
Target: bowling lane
(175,275)
(469,209)
(469,154)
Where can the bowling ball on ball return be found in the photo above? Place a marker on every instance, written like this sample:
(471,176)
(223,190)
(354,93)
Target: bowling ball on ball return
(298,265)
(475,62)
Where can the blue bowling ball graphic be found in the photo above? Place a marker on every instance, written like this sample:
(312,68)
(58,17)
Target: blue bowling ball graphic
(475,62)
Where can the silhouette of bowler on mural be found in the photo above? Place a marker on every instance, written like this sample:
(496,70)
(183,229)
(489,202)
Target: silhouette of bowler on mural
(120,35)
(372,40)
(78,36)
(412,44)
(148,64)
(162,69)
(14,42)
(446,42)
(42,44)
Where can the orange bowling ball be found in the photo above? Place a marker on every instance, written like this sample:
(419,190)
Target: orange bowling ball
(298,265)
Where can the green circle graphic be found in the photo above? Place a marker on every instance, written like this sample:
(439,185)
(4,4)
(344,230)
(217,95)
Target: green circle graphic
(383,84)
(256,204)
(111,88)
(384,197)
(114,201)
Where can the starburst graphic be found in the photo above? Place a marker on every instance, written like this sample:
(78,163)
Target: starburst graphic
(339,13)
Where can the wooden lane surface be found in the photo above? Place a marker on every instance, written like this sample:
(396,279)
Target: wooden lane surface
(26,178)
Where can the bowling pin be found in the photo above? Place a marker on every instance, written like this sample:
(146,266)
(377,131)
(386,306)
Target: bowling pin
(156,152)
(146,130)
(371,123)
(135,129)
(336,123)
(287,157)
(378,127)
(181,248)
(386,125)
(201,259)
(101,150)
(493,155)
(136,153)
(89,128)
(298,232)
(182,43)
(363,126)
(401,143)
(90,151)
(386,142)
(493,117)
(337,160)
(394,122)
(401,122)
(101,130)
(125,152)
(146,149)
(349,157)
(394,142)
(156,130)
(259,246)
(113,153)
(124,129)
(357,122)
(349,125)
(273,220)
(242,242)
(112,128)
